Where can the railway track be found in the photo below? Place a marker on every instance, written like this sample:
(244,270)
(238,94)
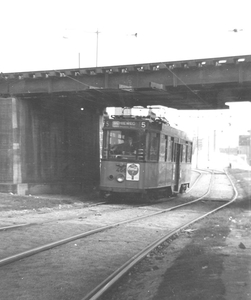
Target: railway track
(50,228)
(80,212)
(49,220)
(98,236)
(101,289)
(37,229)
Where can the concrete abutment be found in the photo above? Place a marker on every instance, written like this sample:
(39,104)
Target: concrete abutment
(48,145)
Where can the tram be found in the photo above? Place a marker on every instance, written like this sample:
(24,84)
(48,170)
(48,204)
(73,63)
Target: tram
(144,156)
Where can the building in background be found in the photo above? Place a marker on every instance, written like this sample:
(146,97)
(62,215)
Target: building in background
(217,135)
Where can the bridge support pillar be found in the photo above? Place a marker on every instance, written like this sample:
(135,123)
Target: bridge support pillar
(10,148)
(48,145)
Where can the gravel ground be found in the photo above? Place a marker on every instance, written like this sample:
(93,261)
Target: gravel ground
(211,261)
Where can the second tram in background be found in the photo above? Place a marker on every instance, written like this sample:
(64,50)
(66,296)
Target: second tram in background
(144,156)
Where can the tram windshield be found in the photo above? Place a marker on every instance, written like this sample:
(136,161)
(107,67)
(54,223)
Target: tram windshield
(124,144)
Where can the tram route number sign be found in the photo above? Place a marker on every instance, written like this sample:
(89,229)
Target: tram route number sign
(132,172)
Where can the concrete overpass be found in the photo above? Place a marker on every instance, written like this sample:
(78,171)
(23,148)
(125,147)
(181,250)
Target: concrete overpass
(50,120)
(191,84)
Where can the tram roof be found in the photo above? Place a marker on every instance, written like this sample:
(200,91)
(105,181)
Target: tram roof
(135,122)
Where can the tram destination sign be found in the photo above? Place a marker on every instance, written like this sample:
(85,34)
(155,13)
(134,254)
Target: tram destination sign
(125,124)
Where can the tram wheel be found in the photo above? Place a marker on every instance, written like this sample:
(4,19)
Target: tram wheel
(183,188)
(105,195)
(169,192)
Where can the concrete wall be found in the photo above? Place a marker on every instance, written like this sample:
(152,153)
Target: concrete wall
(48,144)
(6,141)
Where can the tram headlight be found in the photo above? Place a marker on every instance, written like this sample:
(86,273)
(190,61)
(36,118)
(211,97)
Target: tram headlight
(120,177)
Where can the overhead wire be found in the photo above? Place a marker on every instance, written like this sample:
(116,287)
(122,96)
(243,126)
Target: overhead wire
(184,84)
(60,71)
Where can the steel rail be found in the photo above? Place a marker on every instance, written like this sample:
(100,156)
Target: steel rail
(95,204)
(104,286)
(63,219)
(45,222)
(37,250)
(195,182)
(16,226)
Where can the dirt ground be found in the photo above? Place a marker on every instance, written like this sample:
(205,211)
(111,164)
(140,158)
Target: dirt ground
(14,202)
(211,260)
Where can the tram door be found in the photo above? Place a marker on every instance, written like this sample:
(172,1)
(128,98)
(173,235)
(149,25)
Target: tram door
(177,166)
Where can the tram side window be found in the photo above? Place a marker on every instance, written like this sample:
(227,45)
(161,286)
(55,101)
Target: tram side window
(169,149)
(174,151)
(166,147)
(189,152)
(183,153)
(163,148)
(105,145)
(153,146)
(141,144)
(174,146)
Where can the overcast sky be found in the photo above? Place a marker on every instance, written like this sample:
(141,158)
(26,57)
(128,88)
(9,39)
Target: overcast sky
(50,34)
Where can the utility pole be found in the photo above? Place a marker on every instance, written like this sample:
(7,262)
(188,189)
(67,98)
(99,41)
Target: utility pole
(197,140)
(97,32)
(97,43)
(249,152)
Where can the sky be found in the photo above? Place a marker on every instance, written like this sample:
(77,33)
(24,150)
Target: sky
(62,34)
(59,34)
